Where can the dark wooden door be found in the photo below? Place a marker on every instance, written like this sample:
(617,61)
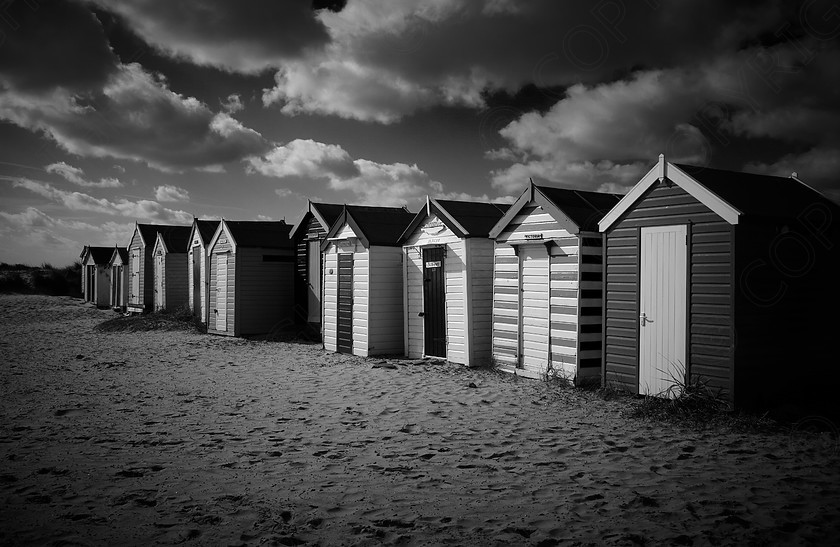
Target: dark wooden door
(434,302)
(344,331)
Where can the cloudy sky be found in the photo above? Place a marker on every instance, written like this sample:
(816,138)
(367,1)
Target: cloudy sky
(155,111)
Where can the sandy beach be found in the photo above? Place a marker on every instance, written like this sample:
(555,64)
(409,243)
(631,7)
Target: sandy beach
(174,437)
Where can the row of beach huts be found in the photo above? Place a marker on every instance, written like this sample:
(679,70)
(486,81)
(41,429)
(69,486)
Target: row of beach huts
(696,274)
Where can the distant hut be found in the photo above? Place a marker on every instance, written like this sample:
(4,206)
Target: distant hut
(198,266)
(717,277)
(308,236)
(119,278)
(448,281)
(547,284)
(251,278)
(97,275)
(141,294)
(363,273)
(170,268)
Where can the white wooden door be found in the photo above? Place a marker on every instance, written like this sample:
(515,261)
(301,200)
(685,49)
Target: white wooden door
(534,307)
(314,289)
(662,309)
(221,291)
(159,296)
(135,297)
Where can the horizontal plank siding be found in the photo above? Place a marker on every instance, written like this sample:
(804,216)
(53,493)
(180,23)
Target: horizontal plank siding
(480,284)
(708,294)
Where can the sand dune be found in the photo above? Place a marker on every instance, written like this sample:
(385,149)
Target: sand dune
(181,438)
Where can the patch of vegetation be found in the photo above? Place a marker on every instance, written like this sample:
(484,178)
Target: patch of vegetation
(180,319)
(44,279)
(695,404)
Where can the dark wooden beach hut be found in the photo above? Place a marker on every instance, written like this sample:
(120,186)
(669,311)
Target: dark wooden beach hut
(251,278)
(308,236)
(721,278)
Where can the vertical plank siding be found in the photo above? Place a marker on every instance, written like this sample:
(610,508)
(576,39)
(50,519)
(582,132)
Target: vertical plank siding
(330,316)
(176,280)
(709,288)
(141,296)
(230,289)
(386,301)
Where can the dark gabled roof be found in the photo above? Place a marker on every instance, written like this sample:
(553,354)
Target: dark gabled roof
(123,254)
(328,211)
(379,225)
(101,255)
(477,218)
(176,238)
(584,208)
(759,195)
(206,229)
(270,234)
(150,232)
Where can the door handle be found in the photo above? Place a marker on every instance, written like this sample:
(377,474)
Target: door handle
(421,314)
(644,319)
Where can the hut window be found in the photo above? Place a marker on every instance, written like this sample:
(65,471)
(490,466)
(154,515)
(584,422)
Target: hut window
(277,258)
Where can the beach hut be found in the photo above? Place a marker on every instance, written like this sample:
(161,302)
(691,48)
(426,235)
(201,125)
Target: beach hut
(97,275)
(448,281)
(198,265)
(141,265)
(119,278)
(251,278)
(547,284)
(363,274)
(717,277)
(171,278)
(308,236)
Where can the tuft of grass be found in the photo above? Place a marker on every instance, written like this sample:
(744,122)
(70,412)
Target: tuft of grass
(180,319)
(696,404)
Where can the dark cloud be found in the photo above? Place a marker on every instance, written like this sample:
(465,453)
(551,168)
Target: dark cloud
(44,45)
(246,36)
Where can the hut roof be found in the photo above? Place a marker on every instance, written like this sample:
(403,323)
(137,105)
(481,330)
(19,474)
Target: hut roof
(584,208)
(206,229)
(326,213)
(270,234)
(101,255)
(754,194)
(176,238)
(377,225)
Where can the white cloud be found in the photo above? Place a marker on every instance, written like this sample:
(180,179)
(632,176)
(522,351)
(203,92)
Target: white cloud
(77,201)
(77,176)
(232,104)
(135,116)
(305,158)
(372,182)
(168,192)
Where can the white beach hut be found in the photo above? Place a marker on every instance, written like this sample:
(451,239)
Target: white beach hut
(448,280)
(198,266)
(119,278)
(547,281)
(170,268)
(363,281)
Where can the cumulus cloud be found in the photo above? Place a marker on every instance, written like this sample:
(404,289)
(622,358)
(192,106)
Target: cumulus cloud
(77,176)
(607,135)
(232,104)
(137,117)
(390,58)
(78,201)
(247,36)
(168,192)
(371,182)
